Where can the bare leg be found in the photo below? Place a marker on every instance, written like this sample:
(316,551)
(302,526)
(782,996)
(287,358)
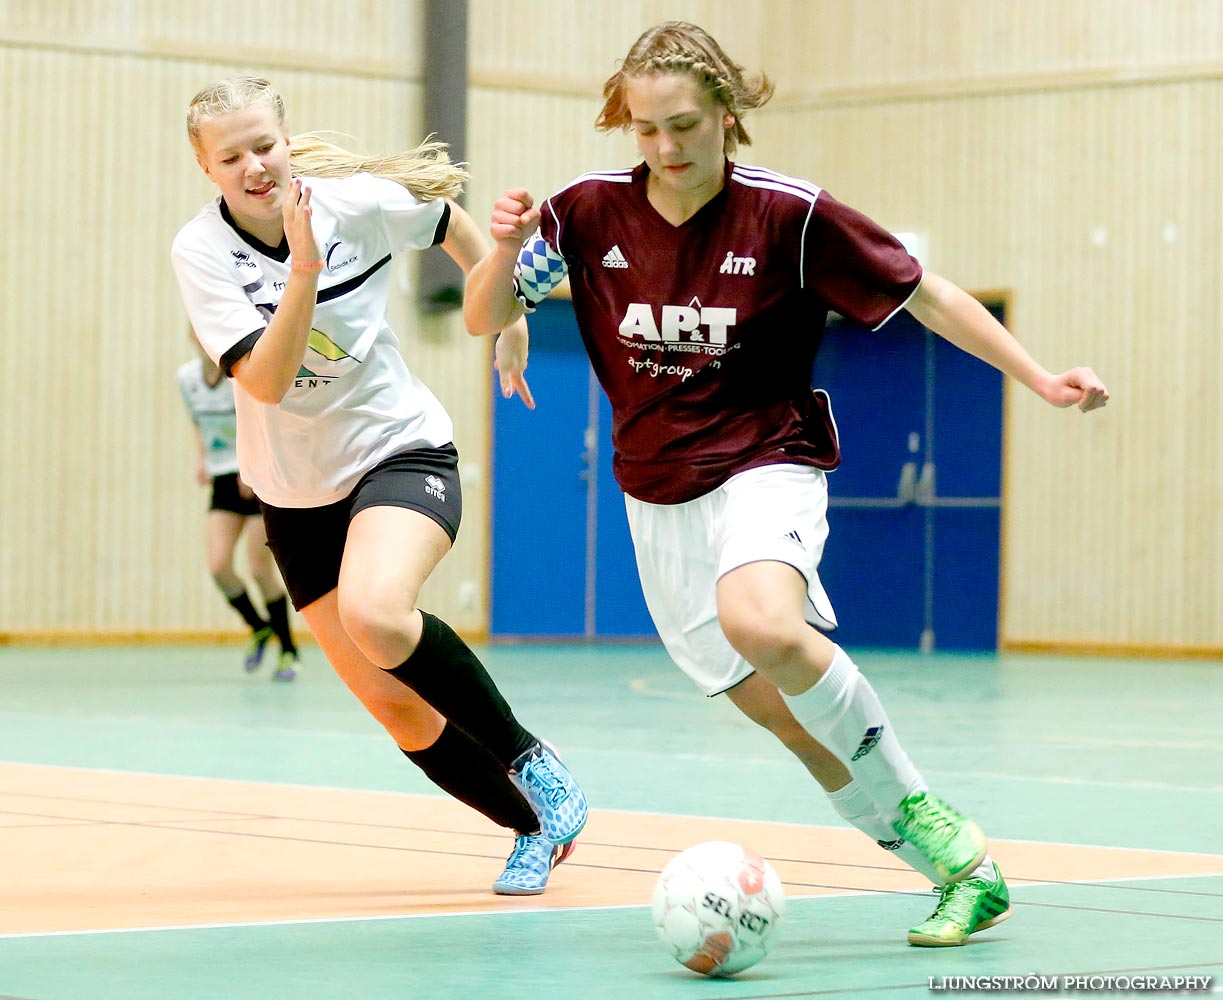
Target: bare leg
(761,702)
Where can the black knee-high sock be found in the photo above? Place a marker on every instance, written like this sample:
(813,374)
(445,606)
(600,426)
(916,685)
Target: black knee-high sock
(242,605)
(459,765)
(278,618)
(447,674)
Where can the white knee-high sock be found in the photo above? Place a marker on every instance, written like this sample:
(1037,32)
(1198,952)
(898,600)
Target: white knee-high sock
(843,712)
(855,807)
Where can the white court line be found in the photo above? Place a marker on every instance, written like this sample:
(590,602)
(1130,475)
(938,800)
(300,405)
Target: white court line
(559,911)
(619,812)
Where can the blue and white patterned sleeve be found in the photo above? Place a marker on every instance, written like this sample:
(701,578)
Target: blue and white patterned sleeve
(539,270)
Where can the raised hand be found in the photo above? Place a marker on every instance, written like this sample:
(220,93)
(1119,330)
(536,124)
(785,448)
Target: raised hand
(515,217)
(299,230)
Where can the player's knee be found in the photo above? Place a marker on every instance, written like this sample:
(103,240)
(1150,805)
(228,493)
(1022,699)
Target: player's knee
(372,621)
(760,637)
(224,577)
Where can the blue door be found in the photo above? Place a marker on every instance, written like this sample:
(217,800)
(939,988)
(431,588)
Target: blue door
(912,558)
(915,509)
(562,558)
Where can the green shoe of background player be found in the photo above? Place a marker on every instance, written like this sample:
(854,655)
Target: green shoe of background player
(954,845)
(254,649)
(286,666)
(964,908)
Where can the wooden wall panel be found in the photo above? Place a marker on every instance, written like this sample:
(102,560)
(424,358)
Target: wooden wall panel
(822,51)
(1062,150)
(105,518)
(1097,210)
(379,38)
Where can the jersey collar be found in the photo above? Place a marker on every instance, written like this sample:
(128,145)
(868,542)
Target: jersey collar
(280,253)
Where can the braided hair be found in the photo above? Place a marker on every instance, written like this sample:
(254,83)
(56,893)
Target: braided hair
(680,47)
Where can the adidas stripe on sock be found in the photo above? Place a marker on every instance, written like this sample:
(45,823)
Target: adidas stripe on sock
(843,712)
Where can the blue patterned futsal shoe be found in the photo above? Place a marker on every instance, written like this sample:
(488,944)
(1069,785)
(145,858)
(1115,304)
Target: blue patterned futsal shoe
(255,648)
(286,667)
(550,790)
(526,872)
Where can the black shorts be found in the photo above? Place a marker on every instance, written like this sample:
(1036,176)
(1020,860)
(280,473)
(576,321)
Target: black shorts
(225,496)
(308,542)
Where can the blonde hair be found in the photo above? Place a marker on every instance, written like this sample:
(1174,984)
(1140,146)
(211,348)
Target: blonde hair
(680,47)
(426,171)
(235,93)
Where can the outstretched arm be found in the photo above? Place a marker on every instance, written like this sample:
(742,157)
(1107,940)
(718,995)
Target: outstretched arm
(464,242)
(960,319)
(466,246)
(489,303)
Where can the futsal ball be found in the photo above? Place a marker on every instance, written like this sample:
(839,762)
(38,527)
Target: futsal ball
(716,906)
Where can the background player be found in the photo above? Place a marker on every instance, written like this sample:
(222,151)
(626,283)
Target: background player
(234,512)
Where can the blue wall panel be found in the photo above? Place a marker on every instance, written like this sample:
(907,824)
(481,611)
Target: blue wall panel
(539,498)
(620,610)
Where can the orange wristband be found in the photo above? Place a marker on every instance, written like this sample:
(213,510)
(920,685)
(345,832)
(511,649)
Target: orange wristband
(307,265)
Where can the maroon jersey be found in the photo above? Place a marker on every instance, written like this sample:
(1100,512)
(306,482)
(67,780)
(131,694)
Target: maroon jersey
(703,335)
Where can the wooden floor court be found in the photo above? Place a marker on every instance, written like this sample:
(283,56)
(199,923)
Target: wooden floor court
(172,829)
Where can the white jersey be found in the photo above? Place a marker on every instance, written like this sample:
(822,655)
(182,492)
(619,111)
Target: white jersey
(354,402)
(211,408)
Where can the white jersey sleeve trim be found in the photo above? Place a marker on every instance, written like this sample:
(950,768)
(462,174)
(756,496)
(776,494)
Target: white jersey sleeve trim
(898,308)
(770,180)
(611,176)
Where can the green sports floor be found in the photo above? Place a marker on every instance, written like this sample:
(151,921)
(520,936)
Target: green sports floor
(126,775)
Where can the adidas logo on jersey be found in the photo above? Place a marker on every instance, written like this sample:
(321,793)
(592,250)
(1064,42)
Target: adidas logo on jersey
(614,258)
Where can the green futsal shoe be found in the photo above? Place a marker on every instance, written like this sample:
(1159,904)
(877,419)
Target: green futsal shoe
(254,649)
(954,845)
(964,908)
(286,667)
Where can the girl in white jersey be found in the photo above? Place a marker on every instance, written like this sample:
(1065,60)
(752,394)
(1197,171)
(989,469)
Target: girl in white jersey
(234,514)
(286,277)
(701,289)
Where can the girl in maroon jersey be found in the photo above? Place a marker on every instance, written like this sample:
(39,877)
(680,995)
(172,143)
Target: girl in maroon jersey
(701,289)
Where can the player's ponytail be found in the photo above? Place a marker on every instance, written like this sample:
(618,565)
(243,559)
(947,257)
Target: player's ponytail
(426,171)
(680,47)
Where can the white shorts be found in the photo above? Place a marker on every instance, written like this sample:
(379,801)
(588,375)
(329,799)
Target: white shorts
(776,513)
